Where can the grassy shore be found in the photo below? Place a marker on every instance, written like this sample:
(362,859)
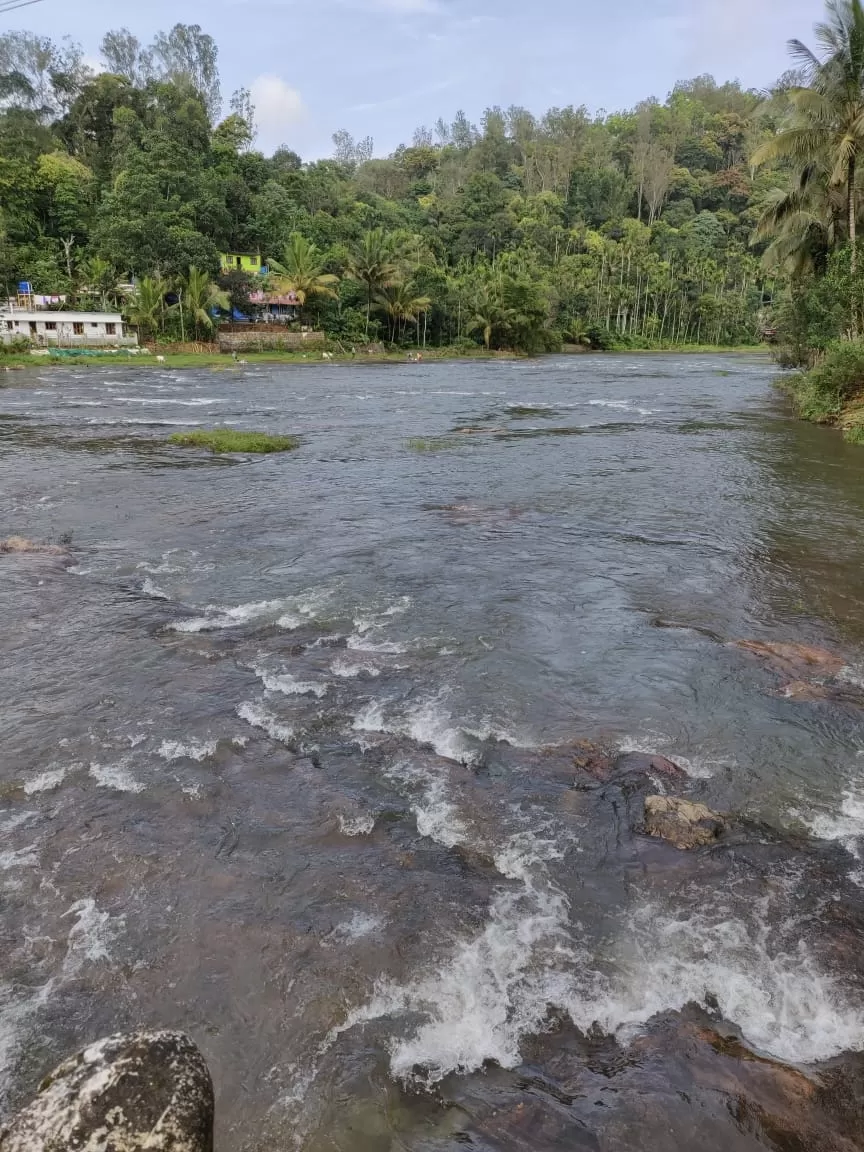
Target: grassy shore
(221,362)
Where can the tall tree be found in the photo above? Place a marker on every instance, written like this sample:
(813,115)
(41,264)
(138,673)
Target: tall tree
(301,270)
(125,56)
(199,298)
(400,305)
(188,54)
(373,263)
(827,125)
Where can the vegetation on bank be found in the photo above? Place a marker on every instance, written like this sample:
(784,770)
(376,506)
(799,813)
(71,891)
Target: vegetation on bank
(832,392)
(816,220)
(719,217)
(221,440)
(522,232)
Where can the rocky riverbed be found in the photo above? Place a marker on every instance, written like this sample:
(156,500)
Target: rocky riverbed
(502,790)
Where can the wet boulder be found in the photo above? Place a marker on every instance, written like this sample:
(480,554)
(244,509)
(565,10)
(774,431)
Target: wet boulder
(808,674)
(799,661)
(633,771)
(682,823)
(21,545)
(127,1093)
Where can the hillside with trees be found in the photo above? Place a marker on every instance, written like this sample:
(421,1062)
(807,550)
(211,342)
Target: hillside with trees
(697,220)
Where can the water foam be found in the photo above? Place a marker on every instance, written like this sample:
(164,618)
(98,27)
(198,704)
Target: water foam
(427,723)
(258,716)
(46,781)
(845,826)
(150,588)
(362,643)
(192,749)
(356,825)
(497,986)
(88,941)
(361,924)
(493,988)
(116,776)
(218,616)
(655,743)
(351,669)
(287,684)
(621,405)
(778,994)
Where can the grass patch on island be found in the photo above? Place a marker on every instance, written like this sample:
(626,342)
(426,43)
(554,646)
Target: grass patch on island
(229,440)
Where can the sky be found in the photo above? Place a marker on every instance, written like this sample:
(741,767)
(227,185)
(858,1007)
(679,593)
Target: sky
(383,67)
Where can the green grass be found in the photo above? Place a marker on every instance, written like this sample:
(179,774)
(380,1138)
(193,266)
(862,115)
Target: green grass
(223,362)
(432,443)
(230,440)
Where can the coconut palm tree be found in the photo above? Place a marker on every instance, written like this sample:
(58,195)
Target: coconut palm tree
(400,306)
(373,263)
(146,308)
(801,223)
(491,315)
(827,124)
(302,270)
(199,297)
(100,278)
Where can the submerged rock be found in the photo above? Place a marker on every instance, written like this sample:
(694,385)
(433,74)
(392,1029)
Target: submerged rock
(632,770)
(683,823)
(799,662)
(810,674)
(127,1093)
(22,544)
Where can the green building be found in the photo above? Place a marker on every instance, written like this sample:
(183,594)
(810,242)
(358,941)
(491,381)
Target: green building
(246,262)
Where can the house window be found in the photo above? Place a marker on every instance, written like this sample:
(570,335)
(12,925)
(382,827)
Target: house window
(32,327)
(78,328)
(110,329)
(50,326)
(10,324)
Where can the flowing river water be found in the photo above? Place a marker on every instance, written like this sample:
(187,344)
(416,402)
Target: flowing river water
(287,751)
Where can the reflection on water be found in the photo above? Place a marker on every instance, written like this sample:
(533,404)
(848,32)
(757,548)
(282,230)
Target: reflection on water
(285,749)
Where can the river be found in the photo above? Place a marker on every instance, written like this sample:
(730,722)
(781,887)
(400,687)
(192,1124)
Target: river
(284,750)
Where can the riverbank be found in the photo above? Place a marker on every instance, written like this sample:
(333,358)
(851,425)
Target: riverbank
(832,392)
(221,361)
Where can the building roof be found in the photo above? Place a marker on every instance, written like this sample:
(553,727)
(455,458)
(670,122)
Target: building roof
(43,316)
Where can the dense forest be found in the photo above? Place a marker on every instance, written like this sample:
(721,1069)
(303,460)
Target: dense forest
(706,219)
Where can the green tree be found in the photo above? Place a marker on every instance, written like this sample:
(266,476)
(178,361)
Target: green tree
(827,128)
(372,262)
(146,308)
(199,297)
(400,306)
(301,270)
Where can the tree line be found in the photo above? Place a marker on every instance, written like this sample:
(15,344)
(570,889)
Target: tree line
(699,219)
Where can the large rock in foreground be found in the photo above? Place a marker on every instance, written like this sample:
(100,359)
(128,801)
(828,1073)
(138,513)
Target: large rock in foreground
(682,822)
(127,1093)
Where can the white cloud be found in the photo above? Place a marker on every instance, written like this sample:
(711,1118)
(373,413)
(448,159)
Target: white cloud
(279,111)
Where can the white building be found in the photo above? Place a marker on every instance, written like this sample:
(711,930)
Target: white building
(67,329)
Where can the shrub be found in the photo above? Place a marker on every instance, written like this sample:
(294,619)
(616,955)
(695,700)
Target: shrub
(600,338)
(821,392)
(230,440)
(17,346)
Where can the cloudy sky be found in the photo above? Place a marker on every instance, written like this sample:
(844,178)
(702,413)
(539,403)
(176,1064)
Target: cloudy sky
(382,67)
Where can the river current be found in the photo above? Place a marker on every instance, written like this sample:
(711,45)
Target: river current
(281,749)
